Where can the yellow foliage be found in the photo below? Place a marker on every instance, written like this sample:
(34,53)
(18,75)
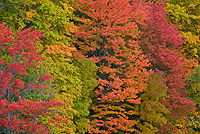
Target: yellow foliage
(29,15)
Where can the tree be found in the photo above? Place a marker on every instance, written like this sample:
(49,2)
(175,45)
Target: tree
(161,42)
(53,18)
(186,15)
(107,36)
(152,110)
(194,94)
(87,74)
(17,112)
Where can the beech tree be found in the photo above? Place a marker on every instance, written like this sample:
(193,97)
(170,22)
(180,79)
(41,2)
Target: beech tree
(87,74)
(152,110)
(106,36)
(186,14)
(194,94)
(17,112)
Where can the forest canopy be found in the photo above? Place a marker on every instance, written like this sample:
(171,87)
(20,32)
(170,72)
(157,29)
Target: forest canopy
(100,66)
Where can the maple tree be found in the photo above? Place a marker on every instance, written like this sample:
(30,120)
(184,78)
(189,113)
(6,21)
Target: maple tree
(53,18)
(50,17)
(17,112)
(107,36)
(161,42)
(186,15)
(126,39)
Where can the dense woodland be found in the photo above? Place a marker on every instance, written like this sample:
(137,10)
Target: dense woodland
(99,66)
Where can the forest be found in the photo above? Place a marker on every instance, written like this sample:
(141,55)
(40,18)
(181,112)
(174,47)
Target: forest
(99,66)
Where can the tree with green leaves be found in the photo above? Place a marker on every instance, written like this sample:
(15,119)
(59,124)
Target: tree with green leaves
(186,15)
(22,98)
(88,75)
(53,18)
(152,110)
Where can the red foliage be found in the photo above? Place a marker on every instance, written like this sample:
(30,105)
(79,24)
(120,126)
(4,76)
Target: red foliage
(161,42)
(18,114)
(108,38)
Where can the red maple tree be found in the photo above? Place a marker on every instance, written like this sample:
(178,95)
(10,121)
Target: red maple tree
(161,42)
(108,36)
(18,54)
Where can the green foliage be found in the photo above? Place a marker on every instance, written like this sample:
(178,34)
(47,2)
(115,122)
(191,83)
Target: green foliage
(12,12)
(194,94)
(103,35)
(152,111)
(87,74)
(53,18)
(67,86)
(186,14)
(24,95)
